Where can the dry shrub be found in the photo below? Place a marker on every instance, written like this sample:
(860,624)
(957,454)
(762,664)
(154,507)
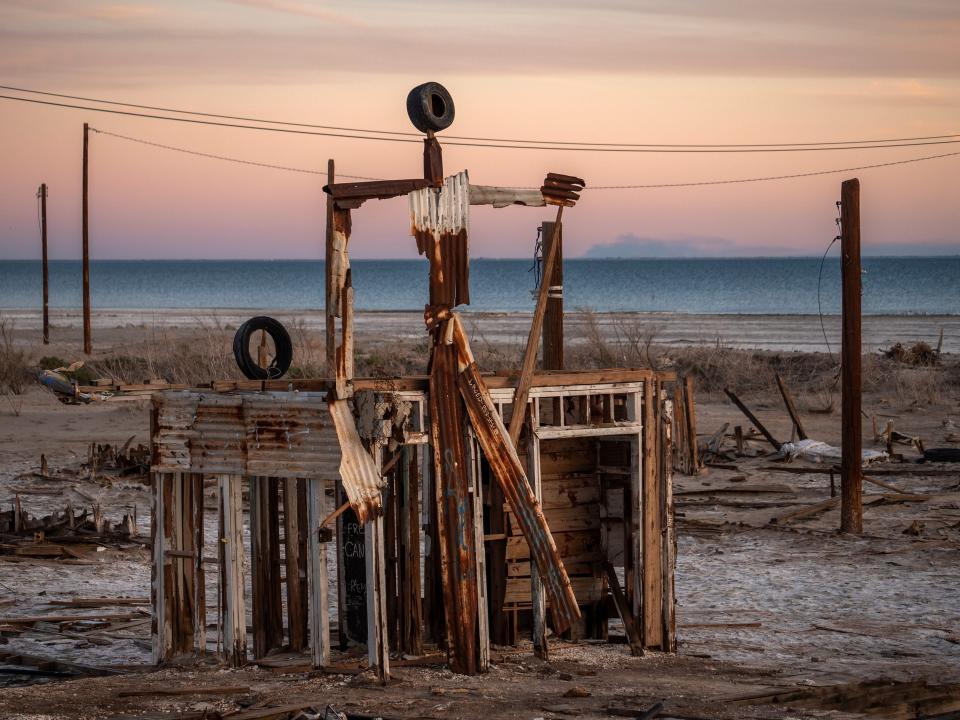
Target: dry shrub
(920,353)
(13,362)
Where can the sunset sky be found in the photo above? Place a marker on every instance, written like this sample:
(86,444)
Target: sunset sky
(754,71)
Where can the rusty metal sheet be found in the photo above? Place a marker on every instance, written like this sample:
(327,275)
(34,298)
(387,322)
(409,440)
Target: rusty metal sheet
(279,434)
(458,556)
(440,222)
(360,476)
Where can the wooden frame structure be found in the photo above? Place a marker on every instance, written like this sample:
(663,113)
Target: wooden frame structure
(598,456)
(414,462)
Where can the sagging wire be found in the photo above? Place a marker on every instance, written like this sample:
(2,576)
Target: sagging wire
(537,267)
(225,158)
(823,327)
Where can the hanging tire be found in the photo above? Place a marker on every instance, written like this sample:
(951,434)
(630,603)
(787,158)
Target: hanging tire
(283,355)
(430,107)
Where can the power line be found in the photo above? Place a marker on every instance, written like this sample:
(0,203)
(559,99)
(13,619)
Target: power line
(484,139)
(771,177)
(223,157)
(553,148)
(594,187)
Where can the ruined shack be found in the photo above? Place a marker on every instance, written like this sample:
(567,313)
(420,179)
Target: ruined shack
(460,507)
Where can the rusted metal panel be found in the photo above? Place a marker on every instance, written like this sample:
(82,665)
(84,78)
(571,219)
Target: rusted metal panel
(440,223)
(269,434)
(360,476)
(457,547)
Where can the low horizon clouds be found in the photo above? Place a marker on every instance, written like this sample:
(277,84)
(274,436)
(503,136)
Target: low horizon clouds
(629,245)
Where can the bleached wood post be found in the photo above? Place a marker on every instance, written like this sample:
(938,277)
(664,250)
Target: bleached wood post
(483,631)
(317,574)
(378,650)
(233,611)
(538,597)
(160,539)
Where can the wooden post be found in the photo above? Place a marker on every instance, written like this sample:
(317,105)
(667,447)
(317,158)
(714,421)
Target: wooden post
(265,581)
(851,479)
(87,340)
(296,607)
(378,648)
(330,310)
(233,615)
(538,597)
(43,245)
(317,574)
(553,317)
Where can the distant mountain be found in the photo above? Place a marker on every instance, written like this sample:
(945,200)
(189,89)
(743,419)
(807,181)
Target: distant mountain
(634,246)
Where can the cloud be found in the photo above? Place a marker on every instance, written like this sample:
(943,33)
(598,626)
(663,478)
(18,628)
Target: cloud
(744,39)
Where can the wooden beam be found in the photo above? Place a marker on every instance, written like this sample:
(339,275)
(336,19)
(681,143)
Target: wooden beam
(623,609)
(533,339)
(791,407)
(851,467)
(505,196)
(553,315)
(652,538)
(752,418)
(317,574)
(538,597)
(296,585)
(506,468)
(233,614)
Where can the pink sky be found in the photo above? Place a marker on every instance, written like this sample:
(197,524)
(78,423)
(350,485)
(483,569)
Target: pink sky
(607,71)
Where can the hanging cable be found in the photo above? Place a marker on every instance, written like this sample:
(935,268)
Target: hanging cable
(222,157)
(482,139)
(500,145)
(823,327)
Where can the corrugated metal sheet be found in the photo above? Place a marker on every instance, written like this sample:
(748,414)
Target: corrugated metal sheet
(271,434)
(440,222)
(360,476)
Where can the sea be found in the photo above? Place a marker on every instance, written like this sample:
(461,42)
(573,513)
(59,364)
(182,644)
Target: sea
(740,286)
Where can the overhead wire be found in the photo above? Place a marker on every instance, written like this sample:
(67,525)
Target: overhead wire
(242,161)
(870,142)
(223,157)
(501,145)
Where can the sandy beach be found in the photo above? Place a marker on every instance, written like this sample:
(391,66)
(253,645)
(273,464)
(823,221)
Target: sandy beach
(762,332)
(881,605)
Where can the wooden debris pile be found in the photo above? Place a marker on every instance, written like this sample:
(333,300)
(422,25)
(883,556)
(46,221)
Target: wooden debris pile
(57,535)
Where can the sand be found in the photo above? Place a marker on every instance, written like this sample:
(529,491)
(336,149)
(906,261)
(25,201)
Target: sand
(822,608)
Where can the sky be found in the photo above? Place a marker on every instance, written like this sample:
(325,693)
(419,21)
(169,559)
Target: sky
(678,72)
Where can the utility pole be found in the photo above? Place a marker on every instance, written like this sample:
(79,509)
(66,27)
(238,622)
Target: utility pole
(330,309)
(553,317)
(87,341)
(851,468)
(43,244)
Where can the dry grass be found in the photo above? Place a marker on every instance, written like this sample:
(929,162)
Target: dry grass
(199,356)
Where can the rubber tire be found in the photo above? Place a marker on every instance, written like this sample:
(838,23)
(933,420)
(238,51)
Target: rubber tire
(422,105)
(281,342)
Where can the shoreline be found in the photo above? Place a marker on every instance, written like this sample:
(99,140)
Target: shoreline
(758,332)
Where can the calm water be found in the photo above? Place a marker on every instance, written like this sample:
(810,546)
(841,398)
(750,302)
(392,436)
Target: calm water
(737,286)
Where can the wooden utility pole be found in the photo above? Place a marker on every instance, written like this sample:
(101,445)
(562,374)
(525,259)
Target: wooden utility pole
(46,279)
(553,317)
(87,341)
(330,312)
(851,472)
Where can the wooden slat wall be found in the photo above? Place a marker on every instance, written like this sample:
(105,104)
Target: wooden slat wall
(571,505)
